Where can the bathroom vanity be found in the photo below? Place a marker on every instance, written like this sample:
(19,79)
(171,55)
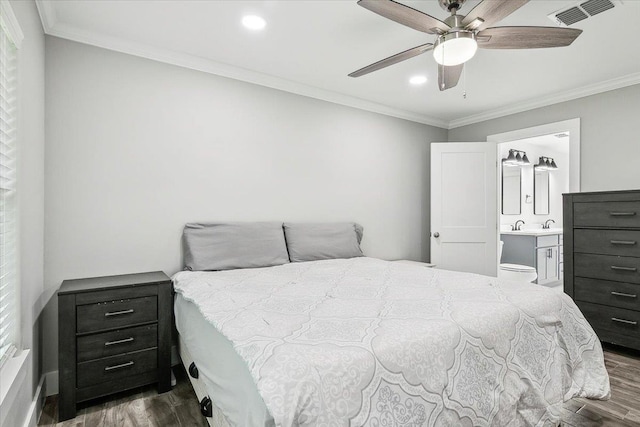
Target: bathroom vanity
(541,249)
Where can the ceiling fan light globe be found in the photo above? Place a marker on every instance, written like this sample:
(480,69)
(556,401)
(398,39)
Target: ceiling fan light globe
(455,48)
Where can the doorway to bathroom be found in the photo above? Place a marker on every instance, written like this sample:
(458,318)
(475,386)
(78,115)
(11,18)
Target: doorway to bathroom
(536,166)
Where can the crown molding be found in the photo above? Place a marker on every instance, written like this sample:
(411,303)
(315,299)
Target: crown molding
(59,29)
(55,28)
(9,21)
(47,14)
(594,89)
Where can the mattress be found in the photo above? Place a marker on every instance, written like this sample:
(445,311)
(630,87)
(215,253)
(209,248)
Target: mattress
(368,342)
(221,370)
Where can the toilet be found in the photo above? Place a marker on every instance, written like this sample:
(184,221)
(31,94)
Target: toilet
(522,273)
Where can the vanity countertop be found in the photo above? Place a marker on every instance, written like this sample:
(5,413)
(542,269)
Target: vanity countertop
(534,232)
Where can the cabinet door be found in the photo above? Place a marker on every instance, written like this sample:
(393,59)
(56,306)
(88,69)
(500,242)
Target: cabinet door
(552,264)
(541,265)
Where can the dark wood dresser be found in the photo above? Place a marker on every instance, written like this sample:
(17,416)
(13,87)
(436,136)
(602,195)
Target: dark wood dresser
(602,262)
(114,335)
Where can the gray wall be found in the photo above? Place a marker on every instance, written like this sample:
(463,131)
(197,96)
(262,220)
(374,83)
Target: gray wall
(610,148)
(31,71)
(137,148)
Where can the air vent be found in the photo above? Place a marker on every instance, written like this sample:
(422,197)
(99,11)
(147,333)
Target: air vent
(594,7)
(581,11)
(571,16)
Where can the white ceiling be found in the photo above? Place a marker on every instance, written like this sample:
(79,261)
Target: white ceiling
(309,47)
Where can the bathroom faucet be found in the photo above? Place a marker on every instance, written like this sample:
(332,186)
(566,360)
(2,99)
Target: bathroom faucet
(516,226)
(546,224)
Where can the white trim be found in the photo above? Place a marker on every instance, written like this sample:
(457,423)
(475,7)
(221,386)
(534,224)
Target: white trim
(594,89)
(213,67)
(47,14)
(53,27)
(13,374)
(51,383)
(10,22)
(35,409)
(572,126)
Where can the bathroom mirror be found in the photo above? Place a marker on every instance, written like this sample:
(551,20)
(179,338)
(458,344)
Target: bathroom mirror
(511,190)
(540,192)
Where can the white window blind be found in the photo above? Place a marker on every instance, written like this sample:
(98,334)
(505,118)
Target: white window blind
(9,321)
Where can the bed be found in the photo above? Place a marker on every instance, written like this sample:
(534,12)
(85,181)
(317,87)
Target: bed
(363,341)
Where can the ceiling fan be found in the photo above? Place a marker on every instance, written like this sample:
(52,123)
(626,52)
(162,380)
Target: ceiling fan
(459,36)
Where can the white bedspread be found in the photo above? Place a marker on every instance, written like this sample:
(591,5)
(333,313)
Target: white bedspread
(369,342)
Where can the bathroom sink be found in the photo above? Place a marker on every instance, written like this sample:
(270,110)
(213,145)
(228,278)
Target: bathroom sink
(534,232)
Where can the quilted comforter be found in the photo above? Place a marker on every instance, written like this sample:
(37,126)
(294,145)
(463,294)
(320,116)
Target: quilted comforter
(363,341)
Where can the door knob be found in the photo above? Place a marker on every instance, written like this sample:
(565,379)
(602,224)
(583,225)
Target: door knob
(436,234)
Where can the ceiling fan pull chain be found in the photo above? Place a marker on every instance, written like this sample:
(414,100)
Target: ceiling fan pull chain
(464,82)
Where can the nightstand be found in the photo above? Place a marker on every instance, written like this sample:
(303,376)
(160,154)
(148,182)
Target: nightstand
(114,334)
(418,263)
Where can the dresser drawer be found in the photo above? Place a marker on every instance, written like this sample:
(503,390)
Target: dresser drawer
(607,214)
(611,320)
(608,267)
(115,342)
(609,242)
(614,294)
(116,367)
(116,313)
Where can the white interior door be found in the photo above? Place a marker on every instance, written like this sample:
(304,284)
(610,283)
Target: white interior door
(464,214)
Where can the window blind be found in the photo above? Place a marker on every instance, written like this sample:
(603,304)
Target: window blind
(9,321)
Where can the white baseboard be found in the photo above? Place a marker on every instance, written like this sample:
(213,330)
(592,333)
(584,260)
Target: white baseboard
(35,409)
(51,383)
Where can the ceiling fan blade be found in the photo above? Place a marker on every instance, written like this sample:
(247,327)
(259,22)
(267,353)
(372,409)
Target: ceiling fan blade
(399,57)
(490,12)
(405,15)
(448,77)
(526,37)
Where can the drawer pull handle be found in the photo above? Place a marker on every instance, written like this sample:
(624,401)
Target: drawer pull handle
(108,343)
(614,267)
(621,294)
(120,366)
(622,213)
(628,322)
(118,313)
(623,242)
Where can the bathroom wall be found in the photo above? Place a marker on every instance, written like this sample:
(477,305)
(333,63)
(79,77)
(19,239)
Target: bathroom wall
(558,179)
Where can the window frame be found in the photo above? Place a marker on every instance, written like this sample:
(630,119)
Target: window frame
(11,29)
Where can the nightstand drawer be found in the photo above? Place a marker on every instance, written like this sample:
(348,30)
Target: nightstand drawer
(116,367)
(117,342)
(116,313)
(609,242)
(608,267)
(607,214)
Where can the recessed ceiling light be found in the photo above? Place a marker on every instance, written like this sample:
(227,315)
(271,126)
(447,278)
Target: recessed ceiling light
(254,22)
(418,80)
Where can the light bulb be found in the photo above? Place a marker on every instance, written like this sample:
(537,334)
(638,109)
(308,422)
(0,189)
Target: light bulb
(455,48)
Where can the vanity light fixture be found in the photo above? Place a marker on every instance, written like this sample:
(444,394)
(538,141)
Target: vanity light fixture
(516,158)
(546,164)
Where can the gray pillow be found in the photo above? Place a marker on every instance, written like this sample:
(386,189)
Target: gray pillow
(234,245)
(316,241)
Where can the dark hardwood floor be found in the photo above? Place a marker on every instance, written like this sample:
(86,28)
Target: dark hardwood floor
(142,407)
(179,407)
